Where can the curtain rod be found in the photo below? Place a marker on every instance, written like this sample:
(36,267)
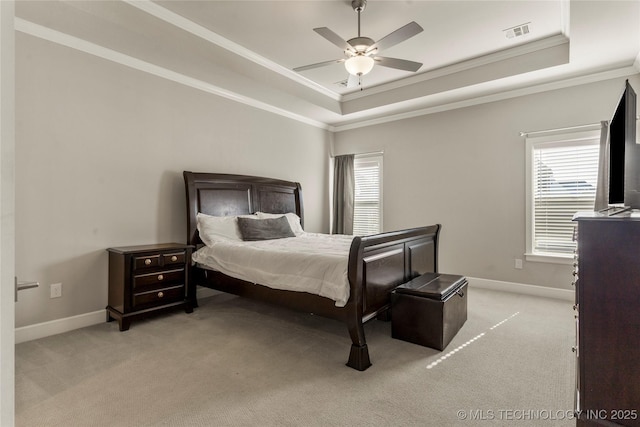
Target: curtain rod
(371,153)
(537,132)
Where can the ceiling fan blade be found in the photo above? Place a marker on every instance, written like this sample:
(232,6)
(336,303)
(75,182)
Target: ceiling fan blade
(400,64)
(318,65)
(334,38)
(398,36)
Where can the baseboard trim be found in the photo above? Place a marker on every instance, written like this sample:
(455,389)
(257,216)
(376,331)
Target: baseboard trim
(521,288)
(58,326)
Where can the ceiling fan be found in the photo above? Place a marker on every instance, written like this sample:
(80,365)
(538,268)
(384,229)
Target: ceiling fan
(361,52)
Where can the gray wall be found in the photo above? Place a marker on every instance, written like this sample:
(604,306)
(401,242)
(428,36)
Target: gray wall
(465,169)
(100,150)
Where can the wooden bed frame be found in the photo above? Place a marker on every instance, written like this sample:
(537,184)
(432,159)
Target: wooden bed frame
(377,264)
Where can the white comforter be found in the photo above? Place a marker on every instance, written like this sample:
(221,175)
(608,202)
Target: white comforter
(313,263)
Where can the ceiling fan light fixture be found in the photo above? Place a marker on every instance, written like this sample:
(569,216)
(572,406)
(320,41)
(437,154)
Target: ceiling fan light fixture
(359,65)
(361,53)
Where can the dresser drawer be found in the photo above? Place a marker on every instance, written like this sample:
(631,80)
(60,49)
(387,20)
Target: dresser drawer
(158,297)
(158,279)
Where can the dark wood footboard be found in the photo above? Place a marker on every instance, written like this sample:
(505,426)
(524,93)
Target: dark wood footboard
(377,265)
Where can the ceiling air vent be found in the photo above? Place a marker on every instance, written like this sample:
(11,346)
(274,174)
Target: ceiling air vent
(517,31)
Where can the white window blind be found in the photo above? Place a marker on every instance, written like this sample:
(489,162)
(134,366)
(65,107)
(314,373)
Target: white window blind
(367,216)
(563,182)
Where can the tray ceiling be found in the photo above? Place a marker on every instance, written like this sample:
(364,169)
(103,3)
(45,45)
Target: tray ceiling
(246,50)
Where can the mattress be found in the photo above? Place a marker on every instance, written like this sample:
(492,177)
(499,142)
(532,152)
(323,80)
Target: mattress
(311,262)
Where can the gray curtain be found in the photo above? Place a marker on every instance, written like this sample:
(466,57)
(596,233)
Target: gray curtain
(602,188)
(343,194)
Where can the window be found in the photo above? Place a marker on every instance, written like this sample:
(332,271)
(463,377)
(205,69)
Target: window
(562,175)
(367,215)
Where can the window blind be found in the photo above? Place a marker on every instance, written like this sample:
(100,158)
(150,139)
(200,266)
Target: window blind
(367,215)
(564,182)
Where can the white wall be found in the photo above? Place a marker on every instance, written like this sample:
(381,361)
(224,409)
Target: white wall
(7,214)
(465,169)
(99,160)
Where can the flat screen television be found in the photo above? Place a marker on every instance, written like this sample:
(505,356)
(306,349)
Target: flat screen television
(624,153)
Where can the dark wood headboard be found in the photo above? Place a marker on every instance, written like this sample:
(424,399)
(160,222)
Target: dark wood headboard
(225,194)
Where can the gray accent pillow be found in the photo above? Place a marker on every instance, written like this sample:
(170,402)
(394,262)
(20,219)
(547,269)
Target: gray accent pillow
(264,229)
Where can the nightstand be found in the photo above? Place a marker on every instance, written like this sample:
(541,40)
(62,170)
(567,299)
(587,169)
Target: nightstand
(147,279)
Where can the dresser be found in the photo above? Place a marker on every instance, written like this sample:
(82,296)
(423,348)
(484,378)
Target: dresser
(147,279)
(607,311)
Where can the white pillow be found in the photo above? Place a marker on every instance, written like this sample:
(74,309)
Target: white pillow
(294,220)
(212,228)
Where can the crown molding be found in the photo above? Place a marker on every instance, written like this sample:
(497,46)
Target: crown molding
(185,24)
(198,30)
(81,45)
(357,120)
(490,58)
(497,96)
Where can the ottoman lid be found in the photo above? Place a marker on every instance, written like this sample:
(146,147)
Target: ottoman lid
(432,285)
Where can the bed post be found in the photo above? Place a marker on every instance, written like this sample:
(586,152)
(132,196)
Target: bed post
(359,355)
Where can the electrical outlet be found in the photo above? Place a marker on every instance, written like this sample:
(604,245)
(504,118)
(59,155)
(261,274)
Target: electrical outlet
(56,290)
(518,264)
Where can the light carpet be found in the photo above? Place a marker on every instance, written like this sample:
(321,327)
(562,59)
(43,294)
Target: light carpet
(236,362)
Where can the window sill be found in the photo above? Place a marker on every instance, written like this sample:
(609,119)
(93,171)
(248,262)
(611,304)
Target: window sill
(550,258)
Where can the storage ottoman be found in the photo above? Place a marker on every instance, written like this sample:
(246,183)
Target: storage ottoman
(429,310)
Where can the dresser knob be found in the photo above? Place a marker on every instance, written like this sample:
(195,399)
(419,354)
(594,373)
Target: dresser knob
(160,294)
(147,261)
(160,277)
(174,258)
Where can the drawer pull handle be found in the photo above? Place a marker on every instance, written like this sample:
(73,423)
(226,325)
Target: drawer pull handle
(147,261)
(174,258)
(160,294)
(160,277)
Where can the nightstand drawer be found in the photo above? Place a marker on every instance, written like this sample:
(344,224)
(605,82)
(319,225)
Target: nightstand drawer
(158,297)
(158,279)
(173,258)
(146,262)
